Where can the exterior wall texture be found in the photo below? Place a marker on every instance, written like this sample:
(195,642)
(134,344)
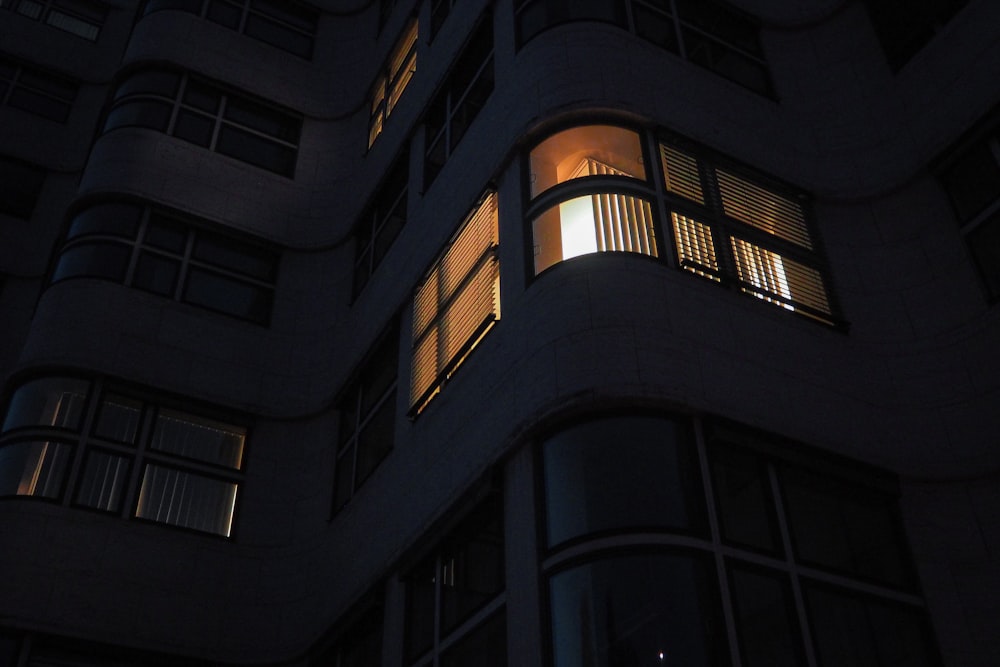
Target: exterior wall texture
(909,383)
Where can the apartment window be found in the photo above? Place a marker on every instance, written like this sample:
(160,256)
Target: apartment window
(20,185)
(641,547)
(36,91)
(439,12)
(457,303)
(200,112)
(289,26)
(709,33)
(592,212)
(971,177)
(392,79)
(454,612)
(367,418)
(78,17)
(904,27)
(165,253)
(459,100)
(380,223)
(737,229)
(93,444)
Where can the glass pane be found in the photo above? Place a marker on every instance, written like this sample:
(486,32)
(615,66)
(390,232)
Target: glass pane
(118,419)
(420,586)
(93,260)
(742,491)
(248,259)
(74,25)
(765,619)
(194,127)
(592,150)
(380,370)
(40,104)
(153,114)
(472,565)
(55,402)
(278,35)
(656,609)
(256,150)
(288,12)
(845,527)
(166,233)
(198,438)
(263,119)
(202,96)
(103,481)
(657,27)
(485,646)
(621,473)
(375,439)
(606,222)
(228,295)
(156,274)
(181,498)
(35,468)
(115,219)
(856,631)
(984,242)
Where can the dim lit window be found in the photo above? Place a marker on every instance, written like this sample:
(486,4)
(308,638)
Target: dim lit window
(456,304)
(708,33)
(380,223)
(203,113)
(78,17)
(20,185)
(169,254)
(36,91)
(367,418)
(646,557)
(94,445)
(579,222)
(738,230)
(393,78)
(455,596)
(971,176)
(287,25)
(459,100)
(905,26)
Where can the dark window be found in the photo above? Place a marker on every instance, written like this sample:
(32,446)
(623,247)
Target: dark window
(115,450)
(204,114)
(440,9)
(20,185)
(971,176)
(805,544)
(367,418)
(708,33)
(169,254)
(82,18)
(905,26)
(36,91)
(380,223)
(648,480)
(287,25)
(454,597)
(459,100)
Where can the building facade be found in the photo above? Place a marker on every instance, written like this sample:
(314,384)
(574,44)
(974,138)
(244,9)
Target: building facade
(514,332)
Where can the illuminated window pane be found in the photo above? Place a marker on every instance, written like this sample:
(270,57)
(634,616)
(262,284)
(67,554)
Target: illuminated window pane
(593,223)
(198,438)
(54,402)
(36,468)
(592,150)
(185,499)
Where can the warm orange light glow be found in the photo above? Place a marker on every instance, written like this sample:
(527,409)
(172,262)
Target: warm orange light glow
(567,154)
(399,69)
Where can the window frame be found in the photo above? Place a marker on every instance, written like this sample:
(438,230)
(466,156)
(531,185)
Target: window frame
(392,78)
(138,246)
(181,110)
(49,12)
(46,86)
(377,227)
(248,12)
(137,450)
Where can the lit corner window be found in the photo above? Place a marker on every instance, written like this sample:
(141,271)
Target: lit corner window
(393,78)
(575,222)
(457,303)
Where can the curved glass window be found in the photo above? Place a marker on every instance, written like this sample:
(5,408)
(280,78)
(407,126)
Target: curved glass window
(621,473)
(201,112)
(591,150)
(648,609)
(88,439)
(161,252)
